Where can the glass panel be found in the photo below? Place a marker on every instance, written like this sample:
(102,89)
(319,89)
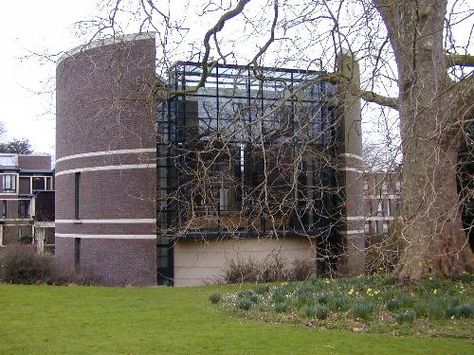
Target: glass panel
(245,151)
(9,160)
(23,209)
(38,183)
(9,183)
(24,187)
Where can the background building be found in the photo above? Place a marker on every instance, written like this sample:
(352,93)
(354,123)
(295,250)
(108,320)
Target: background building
(25,183)
(382,193)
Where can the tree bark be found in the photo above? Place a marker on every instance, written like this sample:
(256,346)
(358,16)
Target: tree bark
(430,130)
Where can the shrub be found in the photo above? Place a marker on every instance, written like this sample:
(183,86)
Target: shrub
(262,289)
(279,295)
(253,298)
(281,307)
(460,311)
(301,270)
(19,264)
(273,268)
(324,298)
(435,309)
(362,310)
(393,304)
(420,309)
(310,311)
(215,298)
(322,312)
(238,271)
(305,298)
(340,303)
(407,316)
(244,304)
(383,251)
(245,294)
(406,300)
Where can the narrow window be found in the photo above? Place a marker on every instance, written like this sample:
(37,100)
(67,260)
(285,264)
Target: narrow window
(9,183)
(4,210)
(48,184)
(77,253)
(398,187)
(24,208)
(367,227)
(223,199)
(380,208)
(77,179)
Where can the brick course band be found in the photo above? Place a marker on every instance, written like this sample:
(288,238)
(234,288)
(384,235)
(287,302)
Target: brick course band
(107,236)
(105,221)
(105,168)
(107,153)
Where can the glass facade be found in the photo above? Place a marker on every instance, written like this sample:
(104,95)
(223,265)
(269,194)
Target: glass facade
(251,153)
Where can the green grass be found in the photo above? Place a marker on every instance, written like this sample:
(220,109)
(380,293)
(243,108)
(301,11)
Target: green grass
(97,320)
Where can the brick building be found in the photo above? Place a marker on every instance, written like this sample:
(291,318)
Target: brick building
(129,208)
(26,199)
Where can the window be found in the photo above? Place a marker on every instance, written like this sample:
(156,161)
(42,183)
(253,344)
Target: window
(223,199)
(24,235)
(24,185)
(49,183)
(4,209)
(77,253)
(38,183)
(367,227)
(77,180)
(380,207)
(9,183)
(8,160)
(398,187)
(384,187)
(389,209)
(23,209)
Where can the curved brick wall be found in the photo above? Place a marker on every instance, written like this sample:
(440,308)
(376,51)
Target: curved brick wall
(105,132)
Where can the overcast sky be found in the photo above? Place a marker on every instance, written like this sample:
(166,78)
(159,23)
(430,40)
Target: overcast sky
(46,26)
(26,83)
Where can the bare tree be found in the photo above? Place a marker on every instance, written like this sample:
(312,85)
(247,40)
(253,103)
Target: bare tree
(434,111)
(402,46)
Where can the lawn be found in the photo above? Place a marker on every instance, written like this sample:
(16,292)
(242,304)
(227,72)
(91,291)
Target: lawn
(58,320)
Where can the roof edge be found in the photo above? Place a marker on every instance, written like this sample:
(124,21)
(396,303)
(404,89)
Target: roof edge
(105,42)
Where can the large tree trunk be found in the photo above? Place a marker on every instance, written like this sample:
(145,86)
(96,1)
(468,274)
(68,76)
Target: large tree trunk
(430,126)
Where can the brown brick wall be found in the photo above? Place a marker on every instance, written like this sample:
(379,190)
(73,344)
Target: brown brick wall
(104,102)
(108,194)
(106,228)
(112,262)
(39,162)
(104,99)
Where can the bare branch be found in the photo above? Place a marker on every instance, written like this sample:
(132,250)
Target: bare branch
(272,35)
(459,59)
(369,96)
